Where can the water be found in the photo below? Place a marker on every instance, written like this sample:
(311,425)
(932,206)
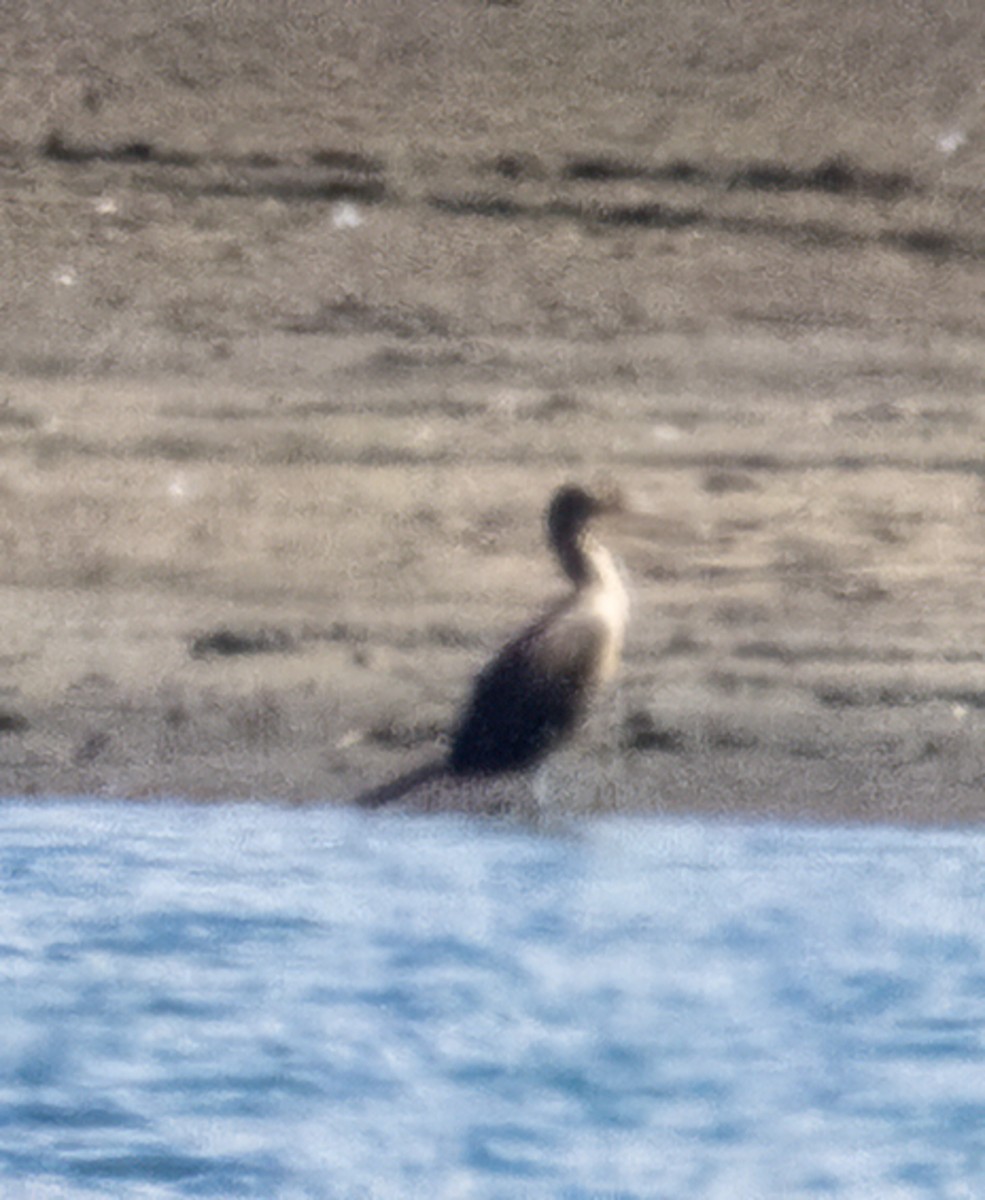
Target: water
(256,1002)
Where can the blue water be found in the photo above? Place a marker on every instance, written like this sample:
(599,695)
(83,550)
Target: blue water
(257,1002)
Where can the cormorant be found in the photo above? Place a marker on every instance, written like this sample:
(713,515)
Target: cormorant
(532,696)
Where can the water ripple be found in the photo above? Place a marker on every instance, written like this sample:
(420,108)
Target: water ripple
(254,1002)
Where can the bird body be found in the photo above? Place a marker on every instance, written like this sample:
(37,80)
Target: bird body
(535,692)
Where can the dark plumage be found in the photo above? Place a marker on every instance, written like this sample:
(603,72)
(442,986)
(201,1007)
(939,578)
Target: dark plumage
(523,705)
(532,696)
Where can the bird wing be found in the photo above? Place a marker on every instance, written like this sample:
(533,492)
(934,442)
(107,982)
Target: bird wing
(533,694)
(569,645)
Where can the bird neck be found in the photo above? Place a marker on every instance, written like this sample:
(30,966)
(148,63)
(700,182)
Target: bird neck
(588,564)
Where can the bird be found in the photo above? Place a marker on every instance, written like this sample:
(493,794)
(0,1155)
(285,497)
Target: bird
(533,695)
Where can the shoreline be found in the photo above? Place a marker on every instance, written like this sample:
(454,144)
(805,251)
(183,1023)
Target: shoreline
(299,334)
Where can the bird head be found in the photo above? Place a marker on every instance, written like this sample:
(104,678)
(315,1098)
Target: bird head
(572,507)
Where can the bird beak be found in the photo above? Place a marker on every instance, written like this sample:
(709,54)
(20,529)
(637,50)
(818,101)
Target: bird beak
(632,512)
(609,499)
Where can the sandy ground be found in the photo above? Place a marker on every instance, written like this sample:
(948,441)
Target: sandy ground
(306,307)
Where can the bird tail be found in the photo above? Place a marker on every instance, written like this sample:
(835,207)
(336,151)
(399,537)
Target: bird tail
(399,787)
